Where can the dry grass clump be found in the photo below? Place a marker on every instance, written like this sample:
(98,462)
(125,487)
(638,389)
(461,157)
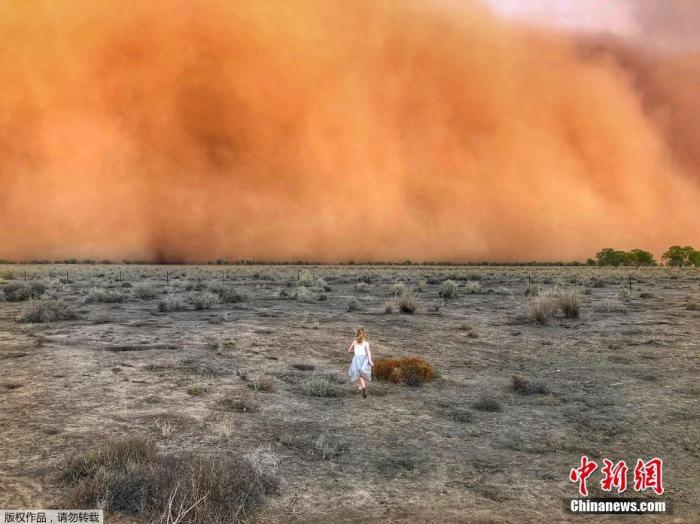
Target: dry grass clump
(144,291)
(202,299)
(46,311)
(407,303)
(239,405)
(265,385)
(400,369)
(130,476)
(302,294)
(323,447)
(691,304)
(15,292)
(361,287)
(197,390)
(305,279)
(544,306)
(399,289)
(318,385)
(472,287)
(448,289)
(353,305)
(106,296)
(227,294)
(570,303)
(521,384)
(172,303)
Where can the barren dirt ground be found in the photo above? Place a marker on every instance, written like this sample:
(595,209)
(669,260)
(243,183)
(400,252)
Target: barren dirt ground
(624,378)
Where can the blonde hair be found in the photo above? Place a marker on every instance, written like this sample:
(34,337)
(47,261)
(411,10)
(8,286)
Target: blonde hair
(361,334)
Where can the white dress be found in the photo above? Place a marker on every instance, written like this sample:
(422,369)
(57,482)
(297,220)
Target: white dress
(359,367)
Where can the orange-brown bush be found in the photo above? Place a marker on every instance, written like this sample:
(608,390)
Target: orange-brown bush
(398,369)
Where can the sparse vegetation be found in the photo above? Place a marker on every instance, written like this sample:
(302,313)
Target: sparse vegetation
(106,296)
(172,302)
(202,299)
(130,476)
(14,292)
(197,390)
(522,385)
(46,311)
(399,289)
(472,287)
(264,384)
(353,305)
(570,303)
(448,289)
(144,291)
(543,307)
(407,303)
(319,385)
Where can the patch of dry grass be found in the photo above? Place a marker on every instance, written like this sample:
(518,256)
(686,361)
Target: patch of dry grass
(405,369)
(46,311)
(130,476)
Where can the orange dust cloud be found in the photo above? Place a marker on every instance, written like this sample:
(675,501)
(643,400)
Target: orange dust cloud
(330,131)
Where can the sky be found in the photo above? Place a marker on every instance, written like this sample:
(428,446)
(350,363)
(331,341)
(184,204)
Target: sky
(332,131)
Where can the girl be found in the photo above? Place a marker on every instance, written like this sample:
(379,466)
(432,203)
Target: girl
(361,366)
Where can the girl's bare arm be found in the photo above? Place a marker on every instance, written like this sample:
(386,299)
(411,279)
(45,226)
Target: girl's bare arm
(351,346)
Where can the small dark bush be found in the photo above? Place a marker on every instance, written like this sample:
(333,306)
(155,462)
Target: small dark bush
(413,378)
(523,386)
(487,404)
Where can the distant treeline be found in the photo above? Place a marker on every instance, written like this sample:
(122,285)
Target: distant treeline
(675,256)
